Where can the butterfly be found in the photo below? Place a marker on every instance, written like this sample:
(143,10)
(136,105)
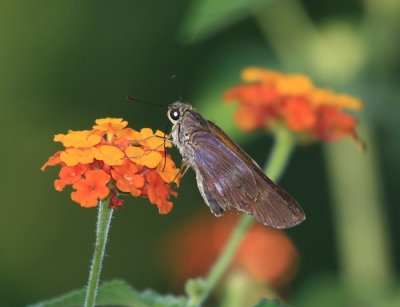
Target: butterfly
(227,177)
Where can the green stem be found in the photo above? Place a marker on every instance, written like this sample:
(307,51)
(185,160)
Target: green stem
(281,152)
(277,162)
(359,217)
(103,227)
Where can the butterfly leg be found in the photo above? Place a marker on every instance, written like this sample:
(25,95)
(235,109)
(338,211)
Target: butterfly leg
(185,167)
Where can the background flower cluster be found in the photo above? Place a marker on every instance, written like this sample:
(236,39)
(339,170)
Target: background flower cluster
(270,97)
(266,254)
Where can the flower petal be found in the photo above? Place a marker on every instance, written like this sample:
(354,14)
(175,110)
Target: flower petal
(78,139)
(110,124)
(151,159)
(73,156)
(53,160)
(158,192)
(69,175)
(168,171)
(111,155)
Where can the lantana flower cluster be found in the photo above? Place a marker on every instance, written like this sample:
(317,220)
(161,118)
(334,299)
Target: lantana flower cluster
(270,97)
(111,160)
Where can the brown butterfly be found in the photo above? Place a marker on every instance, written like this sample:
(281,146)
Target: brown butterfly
(226,176)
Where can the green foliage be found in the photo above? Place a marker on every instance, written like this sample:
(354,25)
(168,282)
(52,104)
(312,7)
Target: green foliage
(71,299)
(154,299)
(329,291)
(195,289)
(206,17)
(116,293)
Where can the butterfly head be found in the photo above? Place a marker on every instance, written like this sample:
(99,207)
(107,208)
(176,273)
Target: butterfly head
(177,110)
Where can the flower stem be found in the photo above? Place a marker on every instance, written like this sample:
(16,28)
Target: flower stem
(360,222)
(281,152)
(277,162)
(103,227)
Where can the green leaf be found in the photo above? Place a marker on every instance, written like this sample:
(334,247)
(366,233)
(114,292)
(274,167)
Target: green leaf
(115,293)
(268,303)
(71,299)
(118,293)
(207,17)
(155,299)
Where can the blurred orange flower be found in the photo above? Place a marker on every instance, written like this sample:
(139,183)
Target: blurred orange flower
(270,97)
(111,159)
(267,255)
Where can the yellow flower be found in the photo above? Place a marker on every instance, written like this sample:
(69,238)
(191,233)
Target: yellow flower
(74,156)
(78,139)
(109,154)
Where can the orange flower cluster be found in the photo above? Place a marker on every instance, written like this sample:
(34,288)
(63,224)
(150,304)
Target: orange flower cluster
(111,159)
(270,97)
(266,254)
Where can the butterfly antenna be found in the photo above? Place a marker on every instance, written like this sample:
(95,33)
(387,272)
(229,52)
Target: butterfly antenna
(174,82)
(165,147)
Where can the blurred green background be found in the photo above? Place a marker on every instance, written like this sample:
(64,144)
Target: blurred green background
(65,63)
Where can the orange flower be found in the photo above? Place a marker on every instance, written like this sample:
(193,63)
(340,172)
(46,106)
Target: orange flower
(69,175)
(253,94)
(110,125)
(91,188)
(158,192)
(127,178)
(298,113)
(111,159)
(333,124)
(168,172)
(266,254)
(149,158)
(110,154)
(270,97)
(53,160)
(147,139)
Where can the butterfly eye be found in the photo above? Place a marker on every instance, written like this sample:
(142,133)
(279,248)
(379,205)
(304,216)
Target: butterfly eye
(175,114)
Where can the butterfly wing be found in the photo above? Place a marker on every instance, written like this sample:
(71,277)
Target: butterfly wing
(228,178)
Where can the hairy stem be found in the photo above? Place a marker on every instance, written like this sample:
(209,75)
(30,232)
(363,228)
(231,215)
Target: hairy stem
(103,227)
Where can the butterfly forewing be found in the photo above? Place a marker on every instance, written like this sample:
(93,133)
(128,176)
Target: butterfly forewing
(227,179)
